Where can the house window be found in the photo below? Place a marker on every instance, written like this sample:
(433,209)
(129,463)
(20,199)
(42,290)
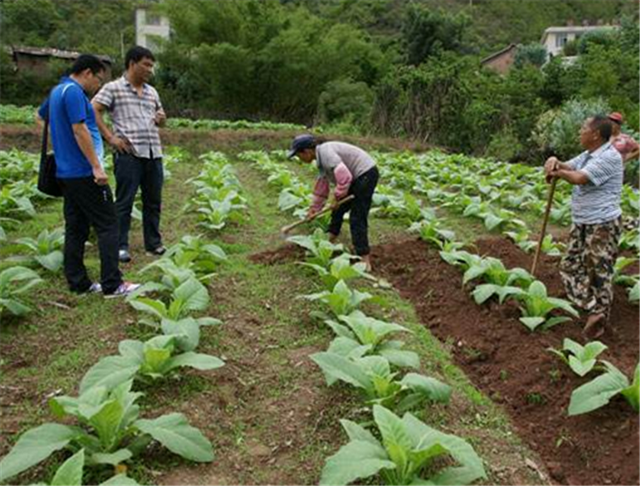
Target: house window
(153,19)
(561,40)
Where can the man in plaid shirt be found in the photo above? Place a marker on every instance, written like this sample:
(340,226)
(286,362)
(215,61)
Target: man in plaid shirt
(136,113)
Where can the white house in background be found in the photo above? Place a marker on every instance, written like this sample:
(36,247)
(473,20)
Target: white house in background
(150,27)
(555,38)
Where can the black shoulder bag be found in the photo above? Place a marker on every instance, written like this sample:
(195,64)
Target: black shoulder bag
(47,181)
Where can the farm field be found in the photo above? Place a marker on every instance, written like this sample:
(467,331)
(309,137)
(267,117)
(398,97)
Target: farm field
(276,342)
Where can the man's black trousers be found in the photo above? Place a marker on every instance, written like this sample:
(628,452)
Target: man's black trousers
(362,189)
(147,174)
(86,205)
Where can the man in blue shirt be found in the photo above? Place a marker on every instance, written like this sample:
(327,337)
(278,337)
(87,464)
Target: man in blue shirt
(88,200)
(587,268)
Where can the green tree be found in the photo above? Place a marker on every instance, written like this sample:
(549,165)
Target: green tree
(29,22)
(534,54)
(428,32)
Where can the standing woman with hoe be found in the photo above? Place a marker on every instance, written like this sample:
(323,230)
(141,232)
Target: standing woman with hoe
(353,171)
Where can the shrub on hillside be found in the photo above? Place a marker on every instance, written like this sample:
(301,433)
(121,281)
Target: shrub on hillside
(535,54)
(557,131)
(345,100)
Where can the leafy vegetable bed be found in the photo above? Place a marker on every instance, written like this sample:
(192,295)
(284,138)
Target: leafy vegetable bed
(514,366)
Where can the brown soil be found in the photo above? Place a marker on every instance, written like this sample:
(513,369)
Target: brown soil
(283,254)
(28,138)
(512,365)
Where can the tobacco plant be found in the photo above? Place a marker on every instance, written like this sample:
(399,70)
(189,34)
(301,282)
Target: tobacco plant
(153,359)
(109,430)
(536,305)
(362,335)
(214,214)
(372,375)
(409,452)
(319,248)
(549,247)
(201,256)
(619,277)
(71,473)
(341,299)
(14,282)
(340,268)
(581,359)
(190,296)
(431,231)
(499,280)
(598,392)
(45,250)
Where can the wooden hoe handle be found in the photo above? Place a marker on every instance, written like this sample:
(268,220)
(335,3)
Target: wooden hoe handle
(536,257)
(339,203)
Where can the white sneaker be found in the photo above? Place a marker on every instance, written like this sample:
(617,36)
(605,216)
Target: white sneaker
(95,288)
(123,290)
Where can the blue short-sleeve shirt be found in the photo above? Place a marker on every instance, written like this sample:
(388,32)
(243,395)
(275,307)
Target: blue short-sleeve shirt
(68,105)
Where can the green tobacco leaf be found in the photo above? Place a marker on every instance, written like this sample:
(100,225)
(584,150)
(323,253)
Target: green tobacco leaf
(634,292)
(598,392)
(349,348)
(584,358)
(341,368)
(483,292)
(150,306)
(112,459)
(16,307)
(174,432)
(357,432)
(109,372)
(471,467)
(339,329)
(52,262)
(70,473)
(434,389)
(195,360)
(194,294)
(369,330)
(106,423)
(358,459)
(554,321)
(156,360)
(120,480)
(400,358)
(532,322)
(396,438)
(632,392)
(187,332)
(35,446)
(581,368)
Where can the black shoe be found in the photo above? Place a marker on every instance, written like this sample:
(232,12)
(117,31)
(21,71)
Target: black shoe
(124,256)
(161,250)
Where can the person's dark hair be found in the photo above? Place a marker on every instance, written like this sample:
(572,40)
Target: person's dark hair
(136,54)
(87,61)
(602,125)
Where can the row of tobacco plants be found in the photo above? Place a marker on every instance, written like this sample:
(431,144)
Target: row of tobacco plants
(493,193)
(493,281)
(25,115)
(368,355)
(109,429)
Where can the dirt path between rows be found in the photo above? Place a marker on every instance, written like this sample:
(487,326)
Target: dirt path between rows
(513,366)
